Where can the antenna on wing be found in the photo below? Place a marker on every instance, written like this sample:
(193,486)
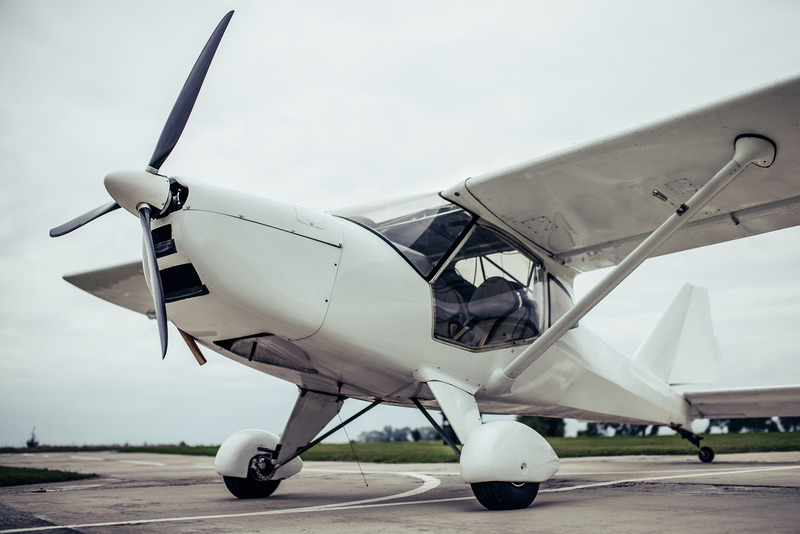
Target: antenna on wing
(346,435)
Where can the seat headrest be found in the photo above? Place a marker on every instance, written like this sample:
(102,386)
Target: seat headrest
(494,298)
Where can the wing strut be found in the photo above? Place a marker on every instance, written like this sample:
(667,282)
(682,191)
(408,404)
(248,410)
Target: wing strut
(748,149)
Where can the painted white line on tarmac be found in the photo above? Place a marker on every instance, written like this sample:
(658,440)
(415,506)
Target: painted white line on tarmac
(142,462)
(68,488)
(640,471)
(710,472)
(706,473)
(203,466)
(429,483)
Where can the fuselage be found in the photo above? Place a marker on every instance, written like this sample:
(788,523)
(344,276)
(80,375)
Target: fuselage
(339,303)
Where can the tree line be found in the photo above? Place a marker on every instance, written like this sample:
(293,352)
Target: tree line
(726,426)
(392,435)
(756,424)
(554,427)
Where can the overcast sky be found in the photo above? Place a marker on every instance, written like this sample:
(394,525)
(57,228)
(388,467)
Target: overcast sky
(324,104)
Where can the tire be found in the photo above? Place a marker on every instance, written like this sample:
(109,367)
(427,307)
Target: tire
(505,495)
(706,454)
(249,488)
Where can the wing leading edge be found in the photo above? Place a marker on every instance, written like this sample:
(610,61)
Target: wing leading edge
(589,207)
(735,403)
(123,285)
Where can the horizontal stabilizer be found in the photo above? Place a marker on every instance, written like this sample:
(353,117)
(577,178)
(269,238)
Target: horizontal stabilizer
(123,285)
(681,348)
(732,403)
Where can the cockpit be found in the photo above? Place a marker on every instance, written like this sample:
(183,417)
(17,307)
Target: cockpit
(487,292)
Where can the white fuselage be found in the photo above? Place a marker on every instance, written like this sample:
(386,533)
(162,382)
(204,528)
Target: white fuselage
(348,314)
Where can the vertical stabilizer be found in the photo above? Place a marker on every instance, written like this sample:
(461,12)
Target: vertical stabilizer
(681,348)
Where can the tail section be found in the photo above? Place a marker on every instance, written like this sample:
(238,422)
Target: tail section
(681,348)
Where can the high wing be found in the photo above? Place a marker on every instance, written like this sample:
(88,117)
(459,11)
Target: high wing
(744,402)
(589,207)
(123,285)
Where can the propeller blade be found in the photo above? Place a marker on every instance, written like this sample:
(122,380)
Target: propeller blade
(183,105)
(79,221)
(155,278)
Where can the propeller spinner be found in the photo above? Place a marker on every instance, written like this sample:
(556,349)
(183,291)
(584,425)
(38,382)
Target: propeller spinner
(147,193)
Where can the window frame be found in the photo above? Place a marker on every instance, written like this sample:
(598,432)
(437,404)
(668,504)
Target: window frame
(550,279)
(537,263)
(436,267)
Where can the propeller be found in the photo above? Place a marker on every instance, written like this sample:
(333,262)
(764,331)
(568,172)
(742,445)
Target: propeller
(183,105)
(147,193)
(156,287)
(80,220)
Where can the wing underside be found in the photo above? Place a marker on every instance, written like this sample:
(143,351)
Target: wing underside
(781,401)
(123,285)
(589,207)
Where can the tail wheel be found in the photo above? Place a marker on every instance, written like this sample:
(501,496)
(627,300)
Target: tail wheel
(250,488)
(505,495)
(706,454)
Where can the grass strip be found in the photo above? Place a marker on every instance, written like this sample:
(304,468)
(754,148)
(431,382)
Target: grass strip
(435,451)
(19,476)
(674,445)
(59,448)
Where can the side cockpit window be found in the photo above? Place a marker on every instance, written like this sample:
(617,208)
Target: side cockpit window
(559,298)
(488,293)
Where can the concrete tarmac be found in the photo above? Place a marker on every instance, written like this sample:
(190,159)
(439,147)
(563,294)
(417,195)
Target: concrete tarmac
(142,493)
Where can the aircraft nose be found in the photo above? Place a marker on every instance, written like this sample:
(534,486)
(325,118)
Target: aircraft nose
(132,188)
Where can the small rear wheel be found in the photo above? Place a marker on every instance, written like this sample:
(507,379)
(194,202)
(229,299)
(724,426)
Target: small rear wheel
(250,488)
(706,454)
(505,495)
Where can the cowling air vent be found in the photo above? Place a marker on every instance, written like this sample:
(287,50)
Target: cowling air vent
(270,350)
(182,282)
(163,242)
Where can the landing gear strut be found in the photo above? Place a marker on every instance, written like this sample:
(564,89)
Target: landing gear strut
(253,462)
(706,454)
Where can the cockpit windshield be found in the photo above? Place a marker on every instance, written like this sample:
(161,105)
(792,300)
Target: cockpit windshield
(422,228)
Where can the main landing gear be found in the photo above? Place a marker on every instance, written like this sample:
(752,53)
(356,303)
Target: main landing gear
(503,461)
(253,462)
(706,454)
(493,495)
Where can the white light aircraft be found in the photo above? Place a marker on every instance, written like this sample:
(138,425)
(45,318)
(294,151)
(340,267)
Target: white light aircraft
(461,301)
